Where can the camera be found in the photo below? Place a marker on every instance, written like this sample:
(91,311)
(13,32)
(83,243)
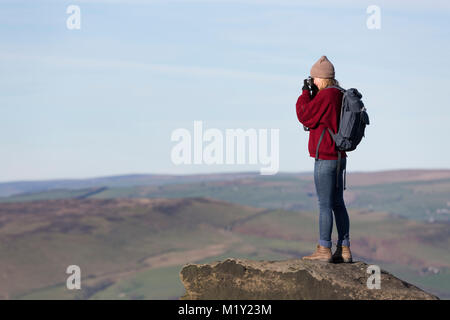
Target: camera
(310,82)
(313,88)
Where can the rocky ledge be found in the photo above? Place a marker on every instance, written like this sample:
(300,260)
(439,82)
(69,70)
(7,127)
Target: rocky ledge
(291,279)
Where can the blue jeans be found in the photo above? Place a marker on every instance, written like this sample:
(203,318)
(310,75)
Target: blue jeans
(331,199)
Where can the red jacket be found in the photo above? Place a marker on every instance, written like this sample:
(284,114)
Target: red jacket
(317,113)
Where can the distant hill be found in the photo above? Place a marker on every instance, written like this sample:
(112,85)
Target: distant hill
(135,248)
(413,194)
(131,234)
(20,187)
(394,176)
(354,179)
(109,239)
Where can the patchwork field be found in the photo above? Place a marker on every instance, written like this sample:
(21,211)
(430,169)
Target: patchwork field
(131,241)
(425,199)
(133,248)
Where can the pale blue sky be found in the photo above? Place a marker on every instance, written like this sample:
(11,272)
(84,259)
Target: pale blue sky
(104,100)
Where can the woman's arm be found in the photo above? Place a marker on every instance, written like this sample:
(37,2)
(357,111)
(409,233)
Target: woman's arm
(310,110)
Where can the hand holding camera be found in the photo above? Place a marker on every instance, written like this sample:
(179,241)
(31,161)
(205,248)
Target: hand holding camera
(308,84)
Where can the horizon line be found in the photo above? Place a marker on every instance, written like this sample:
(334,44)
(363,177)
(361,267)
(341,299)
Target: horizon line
(204,174)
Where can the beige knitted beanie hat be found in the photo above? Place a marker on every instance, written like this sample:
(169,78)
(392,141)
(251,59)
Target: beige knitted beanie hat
(323,68)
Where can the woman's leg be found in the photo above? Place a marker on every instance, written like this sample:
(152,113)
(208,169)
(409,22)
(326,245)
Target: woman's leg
(325,182)
(340,211)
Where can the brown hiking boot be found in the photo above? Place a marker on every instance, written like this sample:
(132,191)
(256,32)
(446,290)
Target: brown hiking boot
(342,254)
(321,254)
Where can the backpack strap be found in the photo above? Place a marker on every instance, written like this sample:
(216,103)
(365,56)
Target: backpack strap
(338,169)
(320,140)
(339,162)
(342,105)
(345,173)
(333,135)
(336,87)
(339,152)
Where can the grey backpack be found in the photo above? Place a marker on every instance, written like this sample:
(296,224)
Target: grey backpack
(352,124)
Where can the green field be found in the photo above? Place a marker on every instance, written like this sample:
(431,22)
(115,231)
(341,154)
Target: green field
(417,200)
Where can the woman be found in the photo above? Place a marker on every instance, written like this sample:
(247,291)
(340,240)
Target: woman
(318,110)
